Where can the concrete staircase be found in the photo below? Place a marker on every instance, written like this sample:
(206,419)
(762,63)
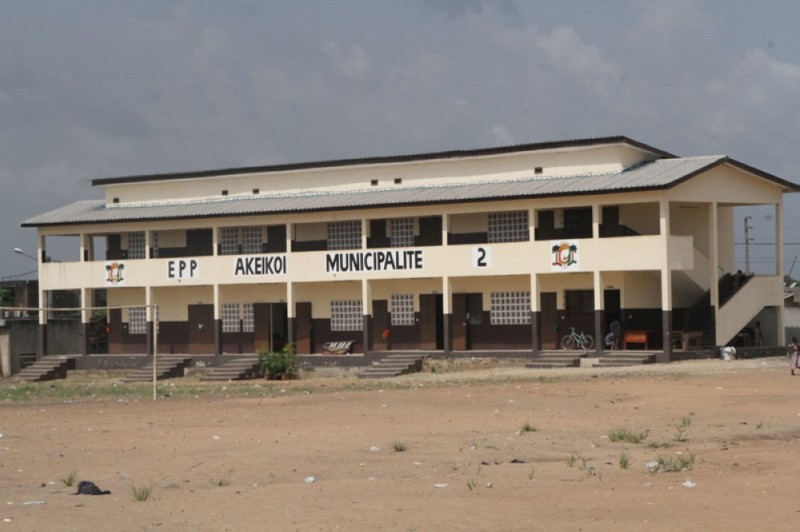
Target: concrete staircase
(48,368)
(556,360)
(394,365)
(235,369)
(169,367)
(619,359)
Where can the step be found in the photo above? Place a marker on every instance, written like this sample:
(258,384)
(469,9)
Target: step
(393,366)
(166,367)
(47,368)
(235,369)
(554,361)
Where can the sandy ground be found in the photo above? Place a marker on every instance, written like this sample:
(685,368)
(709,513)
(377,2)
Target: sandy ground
(468,464)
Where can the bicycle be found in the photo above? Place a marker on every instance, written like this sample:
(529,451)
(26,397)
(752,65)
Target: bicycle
(573,340)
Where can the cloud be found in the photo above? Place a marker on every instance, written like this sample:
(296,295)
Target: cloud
(351,63)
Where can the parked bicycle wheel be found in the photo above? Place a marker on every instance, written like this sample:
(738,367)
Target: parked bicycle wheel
(587,342)
(568,342)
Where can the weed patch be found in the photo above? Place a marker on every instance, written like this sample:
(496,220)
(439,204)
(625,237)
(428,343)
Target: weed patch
(628,436)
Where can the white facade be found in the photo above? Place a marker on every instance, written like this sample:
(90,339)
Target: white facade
(582,232)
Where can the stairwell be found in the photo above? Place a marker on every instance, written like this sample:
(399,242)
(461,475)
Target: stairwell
(394,365)
(48,368)
(236,369)
(168,367)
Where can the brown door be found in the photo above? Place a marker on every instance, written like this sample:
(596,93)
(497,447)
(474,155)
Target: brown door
(430,321)
(303,336)
(548,316)
(380,323)
(201,329)
(262,335)
(459,325)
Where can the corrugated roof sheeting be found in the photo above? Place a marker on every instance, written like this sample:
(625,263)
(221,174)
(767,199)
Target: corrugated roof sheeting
(658,174)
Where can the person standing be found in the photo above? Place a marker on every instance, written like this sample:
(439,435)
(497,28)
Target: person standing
(794,349)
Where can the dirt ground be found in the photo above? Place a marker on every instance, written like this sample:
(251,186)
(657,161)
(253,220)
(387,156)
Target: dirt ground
(493,449)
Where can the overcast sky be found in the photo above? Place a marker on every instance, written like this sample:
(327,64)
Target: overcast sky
(94,88)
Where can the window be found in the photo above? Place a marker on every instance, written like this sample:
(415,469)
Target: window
(508,226)
(248,318)
(251,239)
(229,241)
(344,235)
(137,320)
(240,240)
(230,317)
(154,242)
(136,245)
(402,309)
(346,316)
(401,232)
(234,314)
(510,308)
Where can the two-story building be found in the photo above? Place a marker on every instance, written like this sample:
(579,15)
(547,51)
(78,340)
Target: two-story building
(486,250)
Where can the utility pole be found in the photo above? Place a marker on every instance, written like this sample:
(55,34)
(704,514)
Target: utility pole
(747,241)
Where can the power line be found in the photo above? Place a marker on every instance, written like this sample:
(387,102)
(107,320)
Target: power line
(17,276)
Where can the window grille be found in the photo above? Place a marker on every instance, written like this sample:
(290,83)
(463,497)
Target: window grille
(137,320)
(508,226)
(510,308)
(402,309)
(346,316)
(230,317)
(401,232)
(229,241)
(136,245)
(251,239)
(344,235)
(154,242)
(248,318)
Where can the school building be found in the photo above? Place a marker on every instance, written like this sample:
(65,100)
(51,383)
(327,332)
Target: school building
(498,250)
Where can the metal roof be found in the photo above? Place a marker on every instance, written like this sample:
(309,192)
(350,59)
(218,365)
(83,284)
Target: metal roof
(659,174)
(390,159)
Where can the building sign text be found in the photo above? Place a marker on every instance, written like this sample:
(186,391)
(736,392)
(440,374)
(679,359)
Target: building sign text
(263,265)
(374,261)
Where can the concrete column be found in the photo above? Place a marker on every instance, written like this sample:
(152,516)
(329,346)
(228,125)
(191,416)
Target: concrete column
(596,221)
(41,347)
(86,318)
(217,291)
(713,267)
(599,310)
(215,241)
(366,308)
(666,284)
(781,333)
(291,312)
(448,315)
(149,312)
(534,314)
(445,228)
(364,229)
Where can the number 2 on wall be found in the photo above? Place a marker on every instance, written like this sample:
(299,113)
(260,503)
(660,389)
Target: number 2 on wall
(481,257)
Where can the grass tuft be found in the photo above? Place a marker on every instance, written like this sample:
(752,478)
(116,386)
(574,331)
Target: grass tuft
(399,447)
(527,427)
(142,493)
(624,461)
(625,435)
(70,479)
(674,465)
